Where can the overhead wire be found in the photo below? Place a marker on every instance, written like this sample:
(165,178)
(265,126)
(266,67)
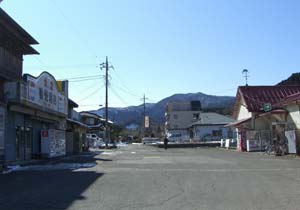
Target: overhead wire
(77,32)
(118,96)
(124,85)
(94,92)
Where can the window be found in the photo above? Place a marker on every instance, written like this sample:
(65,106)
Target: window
(175,116)
(217,133)
(50,97)
(175,126)
(46,95)
(196,116)
(54,99)
(41,93)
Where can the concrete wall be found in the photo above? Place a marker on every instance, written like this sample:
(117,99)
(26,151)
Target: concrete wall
(183,119)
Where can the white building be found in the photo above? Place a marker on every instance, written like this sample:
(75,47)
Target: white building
(211,127)
(179,117)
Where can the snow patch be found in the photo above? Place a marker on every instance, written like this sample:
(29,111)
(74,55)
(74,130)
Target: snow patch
(50,167)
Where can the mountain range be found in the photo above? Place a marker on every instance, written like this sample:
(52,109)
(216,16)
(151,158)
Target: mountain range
(133,115)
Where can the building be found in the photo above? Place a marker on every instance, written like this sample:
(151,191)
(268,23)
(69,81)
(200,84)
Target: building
(34,104)
(179,117)
(15,42)
(211,127)
(258,120)
(95,123)
(76,130)
(292,121)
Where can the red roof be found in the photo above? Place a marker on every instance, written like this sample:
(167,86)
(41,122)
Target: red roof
(289,99)
(256,96)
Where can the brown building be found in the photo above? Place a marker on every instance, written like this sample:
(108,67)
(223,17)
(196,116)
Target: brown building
(14,44)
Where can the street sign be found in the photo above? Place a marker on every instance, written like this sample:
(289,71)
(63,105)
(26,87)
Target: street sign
(147,122)
(267,107)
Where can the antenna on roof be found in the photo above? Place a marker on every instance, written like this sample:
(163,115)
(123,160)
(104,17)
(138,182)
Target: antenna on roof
(245,73)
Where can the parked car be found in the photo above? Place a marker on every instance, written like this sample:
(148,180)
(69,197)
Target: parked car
(110,145)
(93,140)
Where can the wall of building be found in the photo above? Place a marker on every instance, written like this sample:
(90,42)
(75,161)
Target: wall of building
(293,119)
(14,119)
(2,132)
(243,113)
(182,119)
(207,132)
(262,123)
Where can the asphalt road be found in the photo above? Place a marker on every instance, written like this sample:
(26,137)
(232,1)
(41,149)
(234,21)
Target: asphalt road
(141,177)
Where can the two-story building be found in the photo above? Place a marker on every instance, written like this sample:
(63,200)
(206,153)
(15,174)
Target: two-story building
(76,130)
(15,42)
(34,104)
(179,117)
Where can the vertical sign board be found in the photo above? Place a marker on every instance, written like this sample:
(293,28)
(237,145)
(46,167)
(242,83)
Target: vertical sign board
(147,122)
(291,137)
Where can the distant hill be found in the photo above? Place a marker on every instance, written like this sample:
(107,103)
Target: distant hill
(134,114)
(294,79)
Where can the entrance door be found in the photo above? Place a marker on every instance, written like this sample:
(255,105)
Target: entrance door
(23,143)
(28,143)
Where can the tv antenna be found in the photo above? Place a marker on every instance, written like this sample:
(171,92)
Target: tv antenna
(246,75)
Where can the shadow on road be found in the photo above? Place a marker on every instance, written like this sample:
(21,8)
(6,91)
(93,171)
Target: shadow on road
(46,189)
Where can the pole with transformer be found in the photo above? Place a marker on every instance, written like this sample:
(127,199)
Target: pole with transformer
(107,67)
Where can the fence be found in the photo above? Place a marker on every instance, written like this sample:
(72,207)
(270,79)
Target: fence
(258,140)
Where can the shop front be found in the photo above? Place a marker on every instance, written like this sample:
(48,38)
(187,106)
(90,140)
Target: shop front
(34,104)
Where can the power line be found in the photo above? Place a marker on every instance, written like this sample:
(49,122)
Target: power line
(124,85)
(126,91)
(88,79)
(82,77)
(77,32)
(118,96)
(94,92)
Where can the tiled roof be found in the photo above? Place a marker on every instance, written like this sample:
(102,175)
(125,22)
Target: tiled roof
(256,96)
(210,118)
(289,99)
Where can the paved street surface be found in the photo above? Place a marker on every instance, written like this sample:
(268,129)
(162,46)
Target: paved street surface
(144,177)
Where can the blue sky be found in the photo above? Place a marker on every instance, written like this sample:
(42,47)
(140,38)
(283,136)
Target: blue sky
(160,47)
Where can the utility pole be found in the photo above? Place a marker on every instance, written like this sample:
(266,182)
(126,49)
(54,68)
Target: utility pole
(107,67)
(144,121)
